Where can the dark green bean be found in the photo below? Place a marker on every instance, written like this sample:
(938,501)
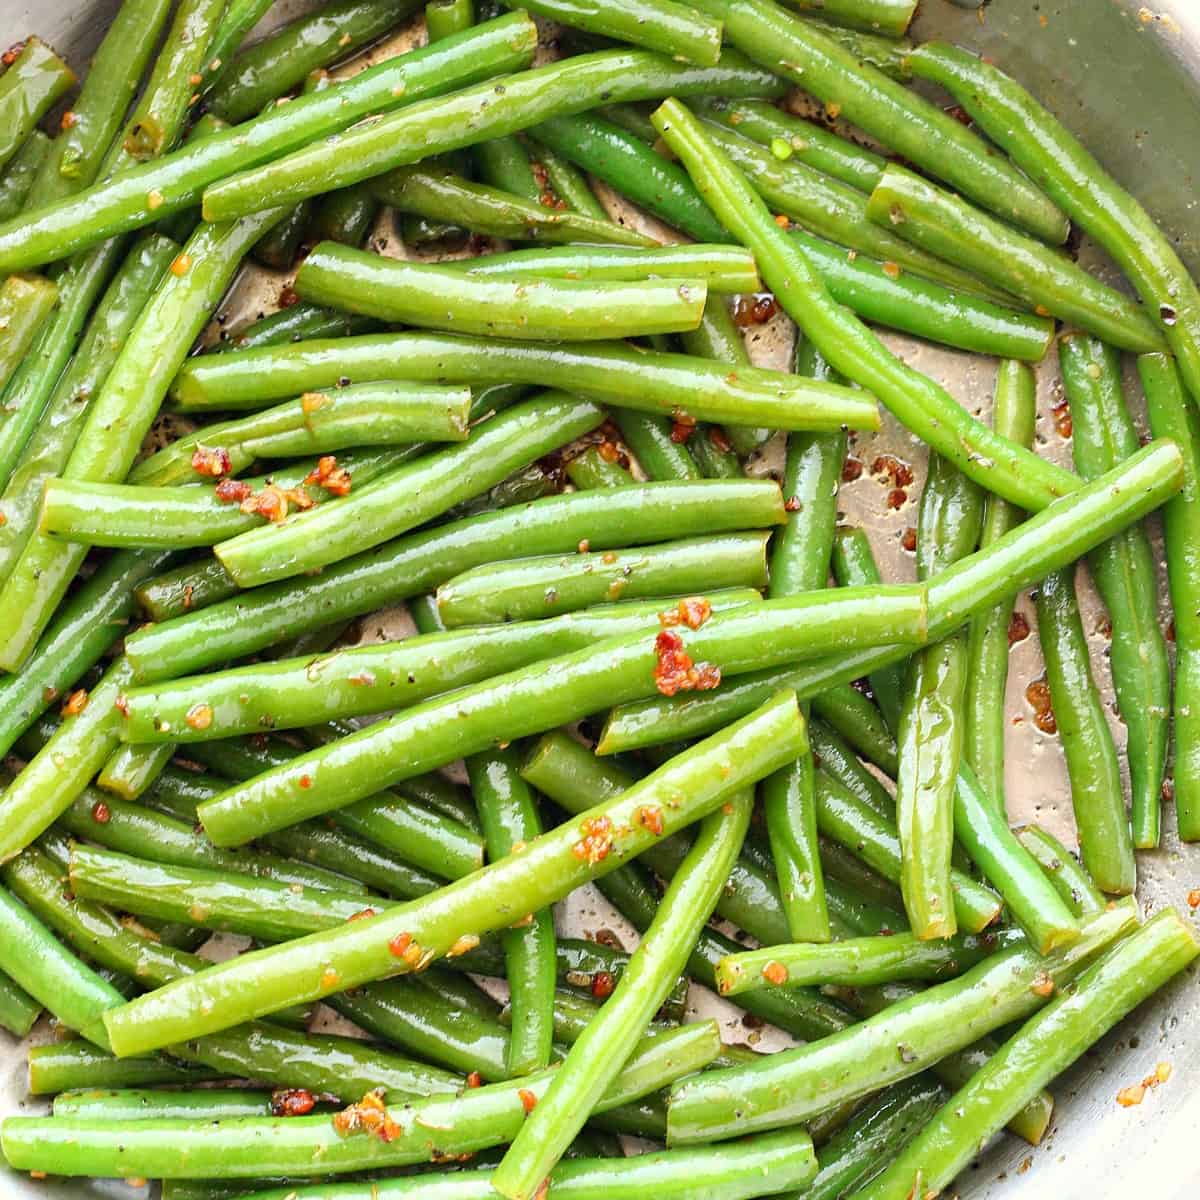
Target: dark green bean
(564,182)
(444,17)
(1105,839)
(345,216)
(591,470)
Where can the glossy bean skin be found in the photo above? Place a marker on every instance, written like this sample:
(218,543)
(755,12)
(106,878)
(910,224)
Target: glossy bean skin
(295,324)
(52,227)
(25,303)
(475,114)
(480,1118)
(565,180)
(32,84)
(19,1011)
(1171,416)
(1028,553)
(809,56)
(1126,577)
(1064,871)
(1013,414)
(1050,154)
(862,1057)
(17,178)
(489,899)
(279,63)
(1045,1045)
(1105,838)
(1041,278)
(916,401)
(412,564)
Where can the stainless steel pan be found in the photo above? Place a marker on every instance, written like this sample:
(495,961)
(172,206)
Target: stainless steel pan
(1125,76)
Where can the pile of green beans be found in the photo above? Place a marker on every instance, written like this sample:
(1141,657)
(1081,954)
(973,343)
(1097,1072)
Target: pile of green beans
(511,395)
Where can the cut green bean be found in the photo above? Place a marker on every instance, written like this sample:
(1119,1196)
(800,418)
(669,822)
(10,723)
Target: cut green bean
(855,962)
(16,180)
(33,82)
(444,17)
(1105,839)
(984,719)
(412,565)
(490,899)
(130,770)
(145,194)
(591,470)
(363,680)
(565,182)
(503,163)
(279,63)
(674,29)
(296,324)
(651,438)
(1063,870)
(143,1104)
(448,1125)
(540,587)
(63,1066)
(1042,278)
(19,1011)
(1045,1045)
(26,301)
(1050,540)
(1126,577)
(1044,148)
(345,216)
(921,132)
(1171,416)
(443,298)
(510,821)
(795,1084)
(475,114)
(240,18)
(920,404)
(597,1057)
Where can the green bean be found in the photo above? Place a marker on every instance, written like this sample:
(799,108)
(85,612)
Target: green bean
(145,1104)
(843,818)
(1171,417)
(1044,148)
(1126,578)
(50,446)
(240,18)
(1013,414)
(1063,869)
(63,1066)
(597,1057)
(1047,1044)
(567,184)
(839,761)
(880,1129)
(345,216)
(1105,839)
(510,820)
(520,702)
(128,515)
(491,898)
(982,828)
(279,247)
(920,131)
(539,587)
(437,193)
(1043,279)
(316,423)
(856,962)
(136,830)
(481,1117)
(789,137)
(1075,524)
(296,324)
(19,1011)
(413,564)
(673,29)
(634,169)
(930,730)
(170,92)
(920,404)
(794,1084)
(918,306)
(438,297)
(121,414)
(723,268)
(362,680)
(475,114)
(145,194)
(26,302)
(279,63)
(444,17)
(112,81)
(37,962)
(17,179)
(130,770)
(652,439)
(854,717)
(503,163)
(591,470)
(888,18)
